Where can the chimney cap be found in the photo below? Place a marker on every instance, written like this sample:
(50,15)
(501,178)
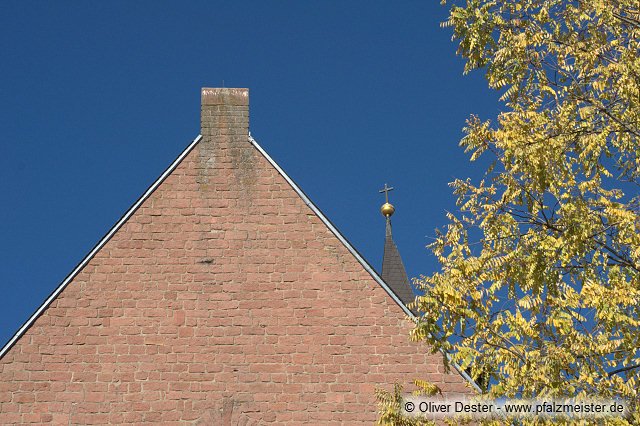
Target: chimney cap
(224,96)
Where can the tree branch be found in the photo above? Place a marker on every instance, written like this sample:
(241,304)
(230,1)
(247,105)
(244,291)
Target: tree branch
(623,369)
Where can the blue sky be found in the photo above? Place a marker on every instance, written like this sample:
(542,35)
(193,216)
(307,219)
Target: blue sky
(98,98)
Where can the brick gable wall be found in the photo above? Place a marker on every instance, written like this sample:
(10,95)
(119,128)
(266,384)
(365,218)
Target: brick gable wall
(223,300)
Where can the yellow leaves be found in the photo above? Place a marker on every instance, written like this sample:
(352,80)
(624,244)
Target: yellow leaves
(451,296)
(526,328)
(620,214)
(426,388)
(562,321)
(590,185)
(543,15)
(520,40)
(509,93)
(529,302)
(551,244)
(599,84)
(586,112)
(390,411)
(545,88)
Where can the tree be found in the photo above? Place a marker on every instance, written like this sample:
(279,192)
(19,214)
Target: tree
(539,287)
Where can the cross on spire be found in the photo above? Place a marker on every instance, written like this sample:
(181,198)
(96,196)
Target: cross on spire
(386,190)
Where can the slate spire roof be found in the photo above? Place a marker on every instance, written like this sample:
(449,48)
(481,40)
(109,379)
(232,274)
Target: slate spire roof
(393,272)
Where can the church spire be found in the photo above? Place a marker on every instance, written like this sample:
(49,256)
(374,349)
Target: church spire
(393,272)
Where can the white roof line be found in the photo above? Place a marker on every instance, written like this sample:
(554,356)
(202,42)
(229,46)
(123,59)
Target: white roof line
(97,248)
(150,191)
(353,251)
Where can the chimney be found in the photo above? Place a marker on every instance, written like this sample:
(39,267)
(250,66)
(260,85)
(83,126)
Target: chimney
(225,153)
(225,112)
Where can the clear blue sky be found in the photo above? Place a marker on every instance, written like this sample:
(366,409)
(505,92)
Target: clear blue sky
(98,98)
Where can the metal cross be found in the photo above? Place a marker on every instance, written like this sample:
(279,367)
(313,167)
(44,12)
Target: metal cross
(386,190)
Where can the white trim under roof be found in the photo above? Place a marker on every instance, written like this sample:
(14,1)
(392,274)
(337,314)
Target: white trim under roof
(150,191)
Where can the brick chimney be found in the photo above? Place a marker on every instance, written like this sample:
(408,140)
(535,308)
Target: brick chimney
(225,148)
(225,112)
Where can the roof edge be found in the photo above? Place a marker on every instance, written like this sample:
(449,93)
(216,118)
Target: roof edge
(354,252)
(18,334)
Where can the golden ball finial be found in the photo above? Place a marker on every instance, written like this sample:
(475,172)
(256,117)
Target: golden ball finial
(387,210)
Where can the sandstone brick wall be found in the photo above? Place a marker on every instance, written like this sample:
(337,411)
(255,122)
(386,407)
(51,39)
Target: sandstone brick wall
(223,300)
